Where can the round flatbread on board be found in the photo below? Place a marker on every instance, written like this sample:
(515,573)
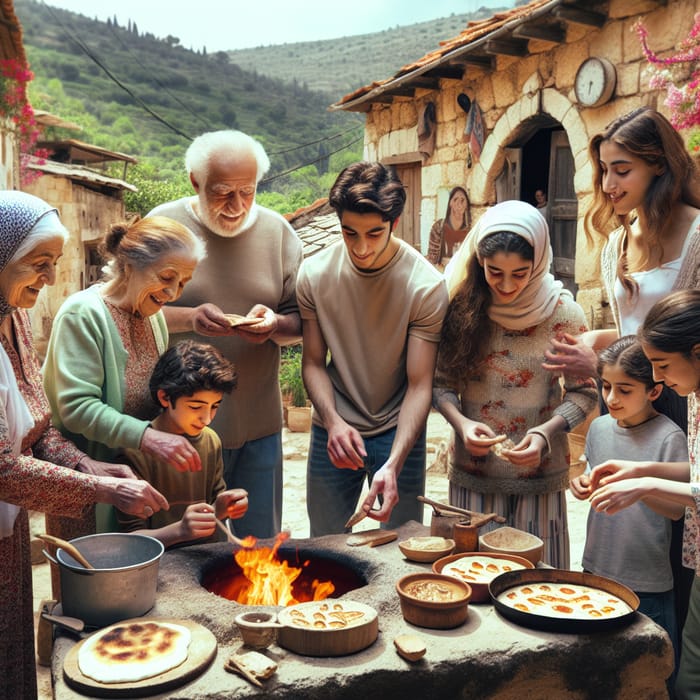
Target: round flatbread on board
(124,653)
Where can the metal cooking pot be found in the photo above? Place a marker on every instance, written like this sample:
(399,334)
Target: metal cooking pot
(122,584)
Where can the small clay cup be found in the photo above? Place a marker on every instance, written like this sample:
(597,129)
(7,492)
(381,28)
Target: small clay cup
(258,629)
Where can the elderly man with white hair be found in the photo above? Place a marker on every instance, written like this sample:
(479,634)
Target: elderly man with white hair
(253,255)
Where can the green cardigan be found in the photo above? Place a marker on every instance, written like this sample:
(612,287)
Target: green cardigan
(84,376)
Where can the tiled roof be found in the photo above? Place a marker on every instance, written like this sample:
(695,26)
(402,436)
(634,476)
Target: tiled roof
(10,33)
(475,34)
(317,225)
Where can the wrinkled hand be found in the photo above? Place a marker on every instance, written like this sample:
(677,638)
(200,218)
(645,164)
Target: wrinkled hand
(570,355)
(612,470)
(383,484)
(528,452)
(478,438)
(346,448)
(580,487)
(232,504)
(263,330)
(171,448)
(92,466)
(133,496)
(198,521)
(615,496)
(209,319)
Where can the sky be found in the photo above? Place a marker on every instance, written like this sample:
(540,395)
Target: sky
(234,24)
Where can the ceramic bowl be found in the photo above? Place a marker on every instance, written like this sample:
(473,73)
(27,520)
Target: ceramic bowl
(478,569)
(426,549)
(509,540)
(433,600)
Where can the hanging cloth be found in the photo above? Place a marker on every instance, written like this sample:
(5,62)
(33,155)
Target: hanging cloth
(427,127)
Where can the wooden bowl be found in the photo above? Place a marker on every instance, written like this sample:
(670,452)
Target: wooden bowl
(322,633)
(433,600)
(479,582)
(509,540)
(426,549)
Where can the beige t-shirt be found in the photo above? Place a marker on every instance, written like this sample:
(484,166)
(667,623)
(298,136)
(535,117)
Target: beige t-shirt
(366,318)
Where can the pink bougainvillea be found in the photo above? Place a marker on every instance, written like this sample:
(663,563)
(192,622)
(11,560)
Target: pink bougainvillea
(679,75)
(14,105)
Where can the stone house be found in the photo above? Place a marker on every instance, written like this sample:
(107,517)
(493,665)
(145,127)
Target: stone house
(88,199)
(509,106)
(11,48)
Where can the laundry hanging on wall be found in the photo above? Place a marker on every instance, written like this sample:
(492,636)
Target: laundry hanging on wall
(474,132)
(427,127)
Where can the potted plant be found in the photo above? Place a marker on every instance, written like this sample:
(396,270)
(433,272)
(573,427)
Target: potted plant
(298,412)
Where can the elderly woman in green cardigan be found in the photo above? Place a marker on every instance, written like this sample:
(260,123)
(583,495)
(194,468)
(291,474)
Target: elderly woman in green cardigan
(106,340)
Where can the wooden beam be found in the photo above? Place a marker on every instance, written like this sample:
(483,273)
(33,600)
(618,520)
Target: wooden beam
(446,72)
(406,91)
(555,34)
(426,83)
(507,48)
(467,60)
(579,16)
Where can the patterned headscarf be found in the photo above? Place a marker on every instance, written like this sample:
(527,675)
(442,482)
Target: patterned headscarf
(537,301)
(19,213)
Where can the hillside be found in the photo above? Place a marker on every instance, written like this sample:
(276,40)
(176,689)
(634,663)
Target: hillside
(339,66)
(147,96)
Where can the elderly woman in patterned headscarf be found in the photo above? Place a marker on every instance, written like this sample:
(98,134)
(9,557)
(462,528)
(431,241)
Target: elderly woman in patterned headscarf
(39,469)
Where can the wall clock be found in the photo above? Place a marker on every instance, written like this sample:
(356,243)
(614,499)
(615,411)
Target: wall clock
(595,82)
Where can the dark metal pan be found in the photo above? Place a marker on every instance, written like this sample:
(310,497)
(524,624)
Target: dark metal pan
(553,624)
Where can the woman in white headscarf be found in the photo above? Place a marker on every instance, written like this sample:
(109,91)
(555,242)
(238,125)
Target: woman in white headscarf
(31,450)
(505,307)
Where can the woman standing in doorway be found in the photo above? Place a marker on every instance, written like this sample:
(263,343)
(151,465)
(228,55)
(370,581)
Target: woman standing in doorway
(446,234)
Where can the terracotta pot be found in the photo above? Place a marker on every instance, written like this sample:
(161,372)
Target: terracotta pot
(299,419)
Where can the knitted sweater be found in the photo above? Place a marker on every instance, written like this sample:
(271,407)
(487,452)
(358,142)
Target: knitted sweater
(511,394)
(84,375)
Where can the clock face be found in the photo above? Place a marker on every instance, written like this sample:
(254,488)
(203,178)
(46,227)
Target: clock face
(595,82)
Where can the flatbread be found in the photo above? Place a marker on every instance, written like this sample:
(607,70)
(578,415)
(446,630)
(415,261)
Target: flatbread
(479,569)
(124,653)
(238,320)
(564,601)
(505,443)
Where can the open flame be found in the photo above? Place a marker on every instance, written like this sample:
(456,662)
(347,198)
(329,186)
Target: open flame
(269,579)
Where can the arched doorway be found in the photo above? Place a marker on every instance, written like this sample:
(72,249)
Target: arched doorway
(539,157)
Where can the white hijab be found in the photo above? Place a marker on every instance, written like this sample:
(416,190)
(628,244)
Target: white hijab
(15,422)
(542,293)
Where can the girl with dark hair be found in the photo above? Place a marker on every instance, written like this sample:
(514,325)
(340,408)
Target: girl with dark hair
(646,187)
(490,384)
(447,234)
(670,338)
(633,546)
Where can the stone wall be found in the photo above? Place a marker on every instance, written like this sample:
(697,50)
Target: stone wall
(87,214)
(9,157)
(524,88)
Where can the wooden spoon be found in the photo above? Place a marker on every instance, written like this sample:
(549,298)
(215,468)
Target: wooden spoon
(232,538)
(68,547)
(454,509)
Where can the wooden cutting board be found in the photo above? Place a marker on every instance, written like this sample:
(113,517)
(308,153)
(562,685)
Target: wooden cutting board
(201,653)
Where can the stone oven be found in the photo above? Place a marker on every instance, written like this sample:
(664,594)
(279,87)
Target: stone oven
(487,657)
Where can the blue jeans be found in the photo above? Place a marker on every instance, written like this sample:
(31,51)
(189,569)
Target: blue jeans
(332,494)
(257,468)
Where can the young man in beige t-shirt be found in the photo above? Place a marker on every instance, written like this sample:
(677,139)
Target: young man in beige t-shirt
(377,306)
